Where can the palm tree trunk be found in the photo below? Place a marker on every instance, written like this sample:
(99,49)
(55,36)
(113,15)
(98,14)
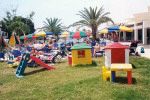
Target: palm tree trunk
(94,30)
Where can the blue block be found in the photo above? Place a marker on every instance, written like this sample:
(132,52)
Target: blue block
(112,76)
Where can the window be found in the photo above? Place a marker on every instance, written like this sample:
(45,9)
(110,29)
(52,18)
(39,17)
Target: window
(81,53)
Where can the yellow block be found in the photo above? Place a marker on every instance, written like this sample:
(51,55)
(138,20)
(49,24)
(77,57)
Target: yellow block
(121,67)
(106,74)
(14,64)
(76,60)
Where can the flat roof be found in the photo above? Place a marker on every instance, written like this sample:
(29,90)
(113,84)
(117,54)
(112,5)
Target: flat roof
(140,16)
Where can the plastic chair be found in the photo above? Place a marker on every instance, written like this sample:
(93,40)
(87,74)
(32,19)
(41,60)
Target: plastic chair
(2,55)
(10,57)
(93,43)
(101,51)
(46,50)
(16,53)
(29,49)
(106,74)
(103,44)
(55,46)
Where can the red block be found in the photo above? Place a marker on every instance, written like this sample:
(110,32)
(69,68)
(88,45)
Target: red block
(118,56)
(70,60)
(129,74)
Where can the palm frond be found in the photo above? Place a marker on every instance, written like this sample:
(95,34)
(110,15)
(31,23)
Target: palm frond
(92,18)
(53,24)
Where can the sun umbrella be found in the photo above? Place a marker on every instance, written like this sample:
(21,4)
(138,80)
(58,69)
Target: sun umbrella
(32,36)
(23,38)
(121,27)
(13,39)
(79,34)
(43,33)
(105,31)
(66,33)
(88,34)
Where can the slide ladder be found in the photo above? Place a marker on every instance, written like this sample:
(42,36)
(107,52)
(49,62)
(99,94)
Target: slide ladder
(22,65)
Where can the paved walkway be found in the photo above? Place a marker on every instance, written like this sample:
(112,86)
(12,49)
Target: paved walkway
(146,49)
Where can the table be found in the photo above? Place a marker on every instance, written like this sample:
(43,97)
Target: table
(121,67)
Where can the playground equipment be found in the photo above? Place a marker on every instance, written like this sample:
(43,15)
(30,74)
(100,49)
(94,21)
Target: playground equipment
(81,54)
(121,67)
(13,64)
(70,60)
(23,63)
(106,74)
(116,53)
(117,59)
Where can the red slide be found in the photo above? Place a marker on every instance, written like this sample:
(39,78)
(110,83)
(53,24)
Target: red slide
(40,62)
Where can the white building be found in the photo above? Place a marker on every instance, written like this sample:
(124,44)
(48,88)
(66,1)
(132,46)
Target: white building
(141,26)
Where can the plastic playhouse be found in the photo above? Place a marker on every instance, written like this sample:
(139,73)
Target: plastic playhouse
(81,54)
(116,59)
(116,53)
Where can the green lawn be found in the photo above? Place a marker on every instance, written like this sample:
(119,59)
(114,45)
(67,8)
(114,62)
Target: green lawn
(82,82)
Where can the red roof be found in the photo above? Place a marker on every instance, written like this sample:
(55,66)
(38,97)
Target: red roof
(116,45)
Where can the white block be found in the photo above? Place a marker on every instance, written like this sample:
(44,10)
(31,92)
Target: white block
(108,58)
(126,55)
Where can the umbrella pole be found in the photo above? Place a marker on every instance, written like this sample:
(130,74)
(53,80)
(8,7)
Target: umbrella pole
(117,34)
(65,40)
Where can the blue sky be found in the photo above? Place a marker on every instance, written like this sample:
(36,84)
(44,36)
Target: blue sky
(67,9)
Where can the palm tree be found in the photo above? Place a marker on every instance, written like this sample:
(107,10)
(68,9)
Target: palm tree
(53,25)
(93,18)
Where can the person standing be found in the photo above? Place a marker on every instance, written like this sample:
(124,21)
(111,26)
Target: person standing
(115,37)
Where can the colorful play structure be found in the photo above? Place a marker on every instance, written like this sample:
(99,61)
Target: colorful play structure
(81,54)
(13,64)
(23,63)
(116,53)
(116,59)
(121,67)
